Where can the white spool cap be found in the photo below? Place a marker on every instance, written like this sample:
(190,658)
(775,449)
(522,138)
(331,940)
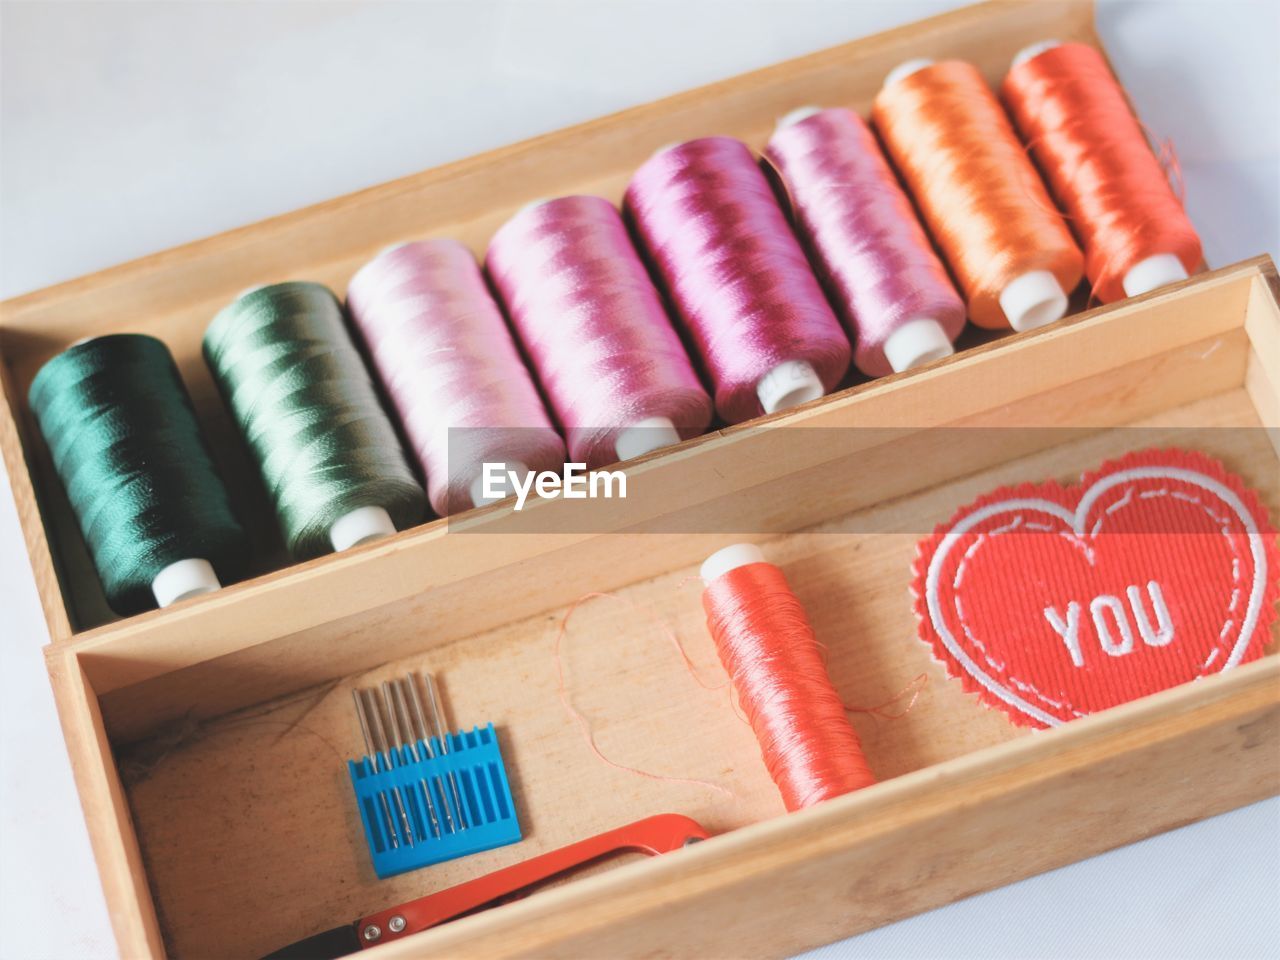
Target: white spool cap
(916,342)
(477,485)
(186,578)
(360,526)
(729,558)
(798,114)
(1033,299)
(789,384)
(1031,51)
(906,69)
(649,434)
(534,204)
(1153,273)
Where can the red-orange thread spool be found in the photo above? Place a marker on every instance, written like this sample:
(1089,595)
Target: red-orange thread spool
(979,194)
(775,663)
(1075,119)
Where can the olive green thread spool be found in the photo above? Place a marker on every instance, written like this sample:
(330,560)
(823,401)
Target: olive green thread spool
(307,408)
(126,445)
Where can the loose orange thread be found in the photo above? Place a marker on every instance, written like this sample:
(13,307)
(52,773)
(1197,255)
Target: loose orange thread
(581,720)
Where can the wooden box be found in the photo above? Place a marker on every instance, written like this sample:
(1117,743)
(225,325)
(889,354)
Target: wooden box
(208,739)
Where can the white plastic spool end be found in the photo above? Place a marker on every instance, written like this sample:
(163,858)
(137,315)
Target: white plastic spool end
(729,558)
(510,466)
(183,579)
(1031,51)
(917,342)
(392,248)
(787,385)
(360,526)
(1155,272)
(534,204)
(649,434)
(1033,299)
(906,69)
(798,114)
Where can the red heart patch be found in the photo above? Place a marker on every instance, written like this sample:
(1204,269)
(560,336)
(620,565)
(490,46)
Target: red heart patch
(1053,602)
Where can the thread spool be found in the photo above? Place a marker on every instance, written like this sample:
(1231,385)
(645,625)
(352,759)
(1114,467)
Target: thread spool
(723,250)
(776,666)
(882,274)
(125,442)
(1074,117)
(309,414)
(595,330)
(978,193)
(448,364)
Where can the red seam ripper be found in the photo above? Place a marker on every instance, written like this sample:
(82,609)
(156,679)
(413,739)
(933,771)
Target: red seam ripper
(651,836)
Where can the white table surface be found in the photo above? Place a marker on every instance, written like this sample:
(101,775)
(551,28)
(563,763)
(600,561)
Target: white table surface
(126,128)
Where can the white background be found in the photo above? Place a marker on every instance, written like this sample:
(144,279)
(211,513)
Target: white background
(130,127)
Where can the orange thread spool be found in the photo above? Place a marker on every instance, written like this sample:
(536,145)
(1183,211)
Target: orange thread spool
(775,664)
(1075,119)
(979,193)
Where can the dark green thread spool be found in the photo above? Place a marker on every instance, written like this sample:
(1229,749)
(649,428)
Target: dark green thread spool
(126,444)
(308,410)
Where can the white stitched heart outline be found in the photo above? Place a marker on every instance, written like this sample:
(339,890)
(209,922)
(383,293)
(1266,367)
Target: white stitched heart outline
(1075,520)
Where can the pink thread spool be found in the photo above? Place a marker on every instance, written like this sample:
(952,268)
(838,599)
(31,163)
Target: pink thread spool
(446,358)
(594,328)
(723,250)
(884,277)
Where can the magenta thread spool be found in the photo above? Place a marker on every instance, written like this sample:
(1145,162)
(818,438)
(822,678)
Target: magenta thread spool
(451,369)
(721,246)
(594,328)
(889,286)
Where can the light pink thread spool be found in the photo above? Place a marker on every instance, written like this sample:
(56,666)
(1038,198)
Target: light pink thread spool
(446,358)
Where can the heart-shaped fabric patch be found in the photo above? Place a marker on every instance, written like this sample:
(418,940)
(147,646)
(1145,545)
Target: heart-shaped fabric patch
(1053,602)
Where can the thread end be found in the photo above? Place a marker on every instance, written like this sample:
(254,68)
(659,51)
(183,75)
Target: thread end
(361,525)
(1033,300)
(916,343)
(478,497)
(906,69)
(789,384)
(1154,272)
(797,115)
(1031,51)
(652,433)
(184,579)
(730,558)
(534,204)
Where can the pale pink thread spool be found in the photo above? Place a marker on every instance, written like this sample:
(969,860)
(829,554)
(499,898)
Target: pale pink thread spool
(595,330)
(446,358)
(707,216)
(879,267)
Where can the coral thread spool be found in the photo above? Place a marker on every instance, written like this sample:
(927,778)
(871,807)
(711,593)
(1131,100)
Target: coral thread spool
(451,369)
(1074,117)
(595,330)
(979,194)
(723,250)
(881,272)
(776,666)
